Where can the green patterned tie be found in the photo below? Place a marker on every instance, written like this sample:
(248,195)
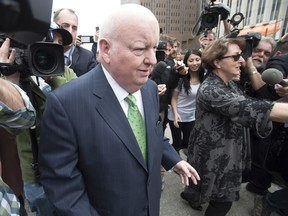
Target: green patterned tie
(137,124)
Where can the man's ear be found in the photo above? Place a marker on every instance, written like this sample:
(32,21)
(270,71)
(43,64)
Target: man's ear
(278,53)
(104,48)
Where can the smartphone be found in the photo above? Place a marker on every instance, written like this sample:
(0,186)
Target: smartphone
(97,28)
(180,68)
(86,39)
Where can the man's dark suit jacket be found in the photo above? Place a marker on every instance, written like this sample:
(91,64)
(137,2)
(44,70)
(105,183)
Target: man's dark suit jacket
(83,60)
(90,161)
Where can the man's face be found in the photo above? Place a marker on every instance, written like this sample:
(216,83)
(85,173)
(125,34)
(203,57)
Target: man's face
(132,56)
(68,21)
(171,50)
(261,54)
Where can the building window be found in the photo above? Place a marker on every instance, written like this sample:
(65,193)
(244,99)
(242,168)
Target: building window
(248,12)
(275,9)
(261,11)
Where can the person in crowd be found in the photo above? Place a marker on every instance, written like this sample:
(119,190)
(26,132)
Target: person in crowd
(205,38)
(259,180)
(13,117)
(269,155)
(181,114)
(99,163)
(77,58)
(172,73)
(16,112)
(219,142)
(268,202)
(262,52)
(27,140)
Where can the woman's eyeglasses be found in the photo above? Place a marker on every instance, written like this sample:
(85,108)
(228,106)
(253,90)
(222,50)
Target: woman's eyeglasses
(235,57)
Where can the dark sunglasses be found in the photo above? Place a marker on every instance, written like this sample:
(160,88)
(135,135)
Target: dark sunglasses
(235,57)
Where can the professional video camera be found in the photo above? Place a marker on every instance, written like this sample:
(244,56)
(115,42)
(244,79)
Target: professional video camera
(39,59)
(26,23)
(209,18)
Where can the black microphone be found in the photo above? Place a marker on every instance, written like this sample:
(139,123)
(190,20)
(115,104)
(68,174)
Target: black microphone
(158,70)
(273,76)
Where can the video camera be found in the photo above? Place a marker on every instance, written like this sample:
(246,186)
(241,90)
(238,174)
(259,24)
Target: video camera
(26,23)
(209,18)
(213,11)
(39,59)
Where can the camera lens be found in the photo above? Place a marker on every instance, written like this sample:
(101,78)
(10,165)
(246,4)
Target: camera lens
(210,20)
(44,60)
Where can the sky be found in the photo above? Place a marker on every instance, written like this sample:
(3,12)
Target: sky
(89,12)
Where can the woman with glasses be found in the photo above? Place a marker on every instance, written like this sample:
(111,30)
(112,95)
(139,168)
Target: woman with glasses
(219,145)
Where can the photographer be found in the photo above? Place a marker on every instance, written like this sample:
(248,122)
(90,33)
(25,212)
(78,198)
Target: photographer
(78,58)
(16,113)
(27,140)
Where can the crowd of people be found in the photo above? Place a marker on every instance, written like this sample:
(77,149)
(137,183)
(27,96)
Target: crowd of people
(97,145)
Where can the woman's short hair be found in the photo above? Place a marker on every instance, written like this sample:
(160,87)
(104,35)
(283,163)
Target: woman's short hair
(217,49)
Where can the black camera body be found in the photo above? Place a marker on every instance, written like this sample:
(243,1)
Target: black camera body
(26,23)
(213,11)
(38,59)
(251,41)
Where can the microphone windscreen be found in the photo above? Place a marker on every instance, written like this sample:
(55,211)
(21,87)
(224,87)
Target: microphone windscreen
(158,69)
(272,76)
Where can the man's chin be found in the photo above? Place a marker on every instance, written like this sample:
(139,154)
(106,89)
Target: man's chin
(257,63)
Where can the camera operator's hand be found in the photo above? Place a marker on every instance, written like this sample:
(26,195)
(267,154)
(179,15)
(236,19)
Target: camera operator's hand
(9,57)
(78,41)
(249,66)
(5,57)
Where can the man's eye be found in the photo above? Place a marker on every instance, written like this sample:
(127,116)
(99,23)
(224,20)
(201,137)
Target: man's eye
(139,51)
(267,53)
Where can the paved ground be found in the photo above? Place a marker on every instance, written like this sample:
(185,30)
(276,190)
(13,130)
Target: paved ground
(173,205)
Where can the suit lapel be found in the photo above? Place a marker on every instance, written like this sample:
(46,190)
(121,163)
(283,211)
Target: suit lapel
(111,111)
(75,57)
(149,120)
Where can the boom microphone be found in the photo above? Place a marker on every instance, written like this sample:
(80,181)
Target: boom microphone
(273,76)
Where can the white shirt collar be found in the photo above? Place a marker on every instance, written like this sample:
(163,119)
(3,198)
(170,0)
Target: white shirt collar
(121,93)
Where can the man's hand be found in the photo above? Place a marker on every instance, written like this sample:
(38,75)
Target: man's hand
(186,171)
(78,41)
(281,90)
(4,52)
(161,89)
(9,57)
